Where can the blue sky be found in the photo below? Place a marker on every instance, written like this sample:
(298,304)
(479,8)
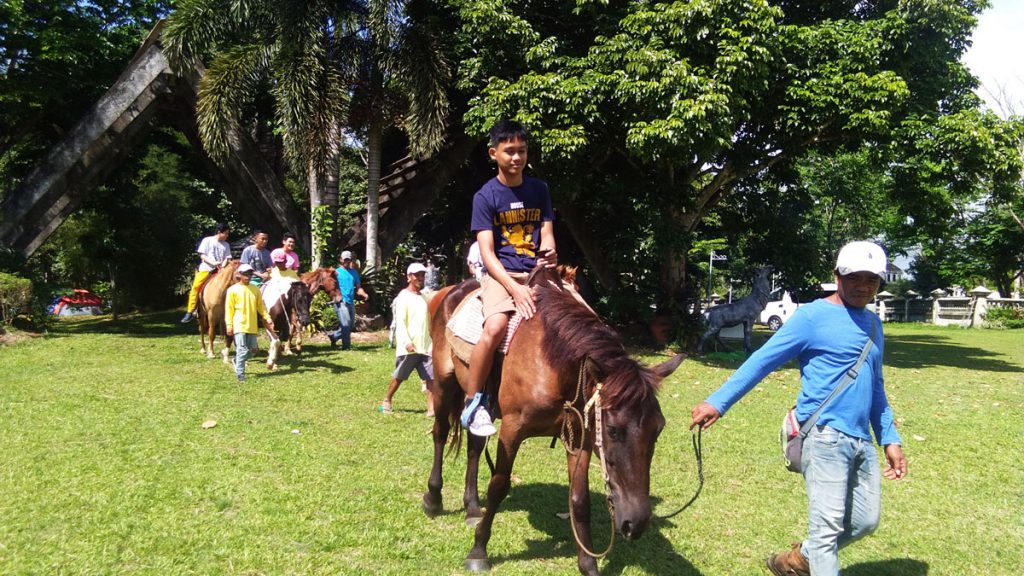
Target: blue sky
(997,55)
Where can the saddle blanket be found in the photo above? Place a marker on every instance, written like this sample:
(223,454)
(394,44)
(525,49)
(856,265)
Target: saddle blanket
(466,326)
(275,289)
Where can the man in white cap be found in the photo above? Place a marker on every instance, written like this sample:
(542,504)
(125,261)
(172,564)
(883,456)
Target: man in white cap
(412,337)
(243,309)
(345,306)
(839,462)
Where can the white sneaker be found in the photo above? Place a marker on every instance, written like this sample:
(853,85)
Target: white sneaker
(481,424)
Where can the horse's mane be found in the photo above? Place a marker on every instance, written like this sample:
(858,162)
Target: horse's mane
(317,278)
(223,278)
(574,333)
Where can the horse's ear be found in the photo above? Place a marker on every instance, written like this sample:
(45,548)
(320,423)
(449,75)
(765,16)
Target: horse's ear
(669,366)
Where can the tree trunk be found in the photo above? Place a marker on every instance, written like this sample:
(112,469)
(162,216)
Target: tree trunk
(374,150)
(596,257)
(331,188)
(316,197)
(113,292)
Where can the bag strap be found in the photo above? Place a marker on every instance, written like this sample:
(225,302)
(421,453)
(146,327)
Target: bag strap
(850,376)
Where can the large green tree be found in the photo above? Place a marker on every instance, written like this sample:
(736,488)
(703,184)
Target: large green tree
(688,99)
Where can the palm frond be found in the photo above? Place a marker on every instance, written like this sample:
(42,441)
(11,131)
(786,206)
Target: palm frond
(231,81)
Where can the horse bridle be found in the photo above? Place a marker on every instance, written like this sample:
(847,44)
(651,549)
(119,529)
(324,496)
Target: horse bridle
(568,441)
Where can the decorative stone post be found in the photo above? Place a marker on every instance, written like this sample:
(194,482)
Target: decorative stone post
(883,297)
(936,294)
(980,295)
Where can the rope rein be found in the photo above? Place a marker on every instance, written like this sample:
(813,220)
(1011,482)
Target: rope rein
(568,440)
(698,451)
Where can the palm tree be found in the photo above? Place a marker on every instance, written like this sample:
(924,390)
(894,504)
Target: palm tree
(400,79)
(372,63)
(293,50)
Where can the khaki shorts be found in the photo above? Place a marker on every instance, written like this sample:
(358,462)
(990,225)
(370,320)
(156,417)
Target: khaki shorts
(495,298)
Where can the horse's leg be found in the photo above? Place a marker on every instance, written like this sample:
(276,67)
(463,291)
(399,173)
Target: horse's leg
(579,491)
(225,352)
(211,337)
(432,500)
(297,331)
(718,338)
(272,351)
(470,495)
(748,327)
(497,490)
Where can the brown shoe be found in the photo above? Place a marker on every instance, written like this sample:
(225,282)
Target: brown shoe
(789,563)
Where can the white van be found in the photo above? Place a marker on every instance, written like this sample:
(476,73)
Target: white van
(777,312)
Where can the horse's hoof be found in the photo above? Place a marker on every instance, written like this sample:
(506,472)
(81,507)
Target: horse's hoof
(472,521)
(430,508)
(478,565)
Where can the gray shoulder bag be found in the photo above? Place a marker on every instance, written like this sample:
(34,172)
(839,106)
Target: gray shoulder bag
(792,433)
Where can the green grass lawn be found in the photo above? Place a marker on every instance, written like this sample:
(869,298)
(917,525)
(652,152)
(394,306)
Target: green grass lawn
(107,469)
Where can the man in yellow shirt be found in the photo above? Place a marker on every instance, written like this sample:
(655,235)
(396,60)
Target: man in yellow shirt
(412,337)
(242,312)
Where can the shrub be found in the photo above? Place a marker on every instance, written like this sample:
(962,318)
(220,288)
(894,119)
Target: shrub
(15,296)
(321,312)
(1010,317)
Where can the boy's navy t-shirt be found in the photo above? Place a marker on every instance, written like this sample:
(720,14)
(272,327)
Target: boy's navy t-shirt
(514,215)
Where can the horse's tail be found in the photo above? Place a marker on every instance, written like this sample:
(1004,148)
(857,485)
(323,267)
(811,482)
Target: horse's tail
(454,431)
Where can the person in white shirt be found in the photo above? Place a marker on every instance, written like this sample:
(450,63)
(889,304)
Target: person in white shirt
(412,338)
(214,252)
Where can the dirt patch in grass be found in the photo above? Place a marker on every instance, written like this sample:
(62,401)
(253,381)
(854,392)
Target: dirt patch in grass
(12,338)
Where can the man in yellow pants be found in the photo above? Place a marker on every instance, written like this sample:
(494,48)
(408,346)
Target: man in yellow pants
(214,251)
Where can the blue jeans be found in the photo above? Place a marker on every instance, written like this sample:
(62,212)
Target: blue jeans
(244,344)
(844,494)
(346,312)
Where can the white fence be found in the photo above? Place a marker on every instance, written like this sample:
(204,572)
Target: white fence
(966,311)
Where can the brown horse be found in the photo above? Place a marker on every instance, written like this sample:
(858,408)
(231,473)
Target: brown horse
(561,363)
(210,309)
(325,279)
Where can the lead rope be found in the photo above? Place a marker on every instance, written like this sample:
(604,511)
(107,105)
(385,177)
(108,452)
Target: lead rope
(698,451)
(570,409)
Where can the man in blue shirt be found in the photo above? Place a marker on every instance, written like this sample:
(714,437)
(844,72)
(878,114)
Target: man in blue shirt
(840,466)
(345,305)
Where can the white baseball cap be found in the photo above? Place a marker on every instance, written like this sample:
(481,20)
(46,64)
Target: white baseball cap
(862,256)
(416,268)
(345,255)
(245,268)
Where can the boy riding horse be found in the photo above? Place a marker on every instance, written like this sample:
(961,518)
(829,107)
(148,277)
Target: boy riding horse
(514,226)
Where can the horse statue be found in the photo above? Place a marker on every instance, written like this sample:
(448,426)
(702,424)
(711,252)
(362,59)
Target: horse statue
(290,313)
(565,374)
(210,309)
(743,311)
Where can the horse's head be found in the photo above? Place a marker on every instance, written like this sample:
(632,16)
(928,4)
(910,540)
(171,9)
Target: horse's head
(322,279)
(299,298)
(631,423)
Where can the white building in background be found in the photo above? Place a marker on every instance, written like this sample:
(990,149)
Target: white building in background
(894,273)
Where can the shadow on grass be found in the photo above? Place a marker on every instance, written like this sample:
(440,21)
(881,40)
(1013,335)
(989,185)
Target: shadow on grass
(653,552)
(926,350)
(897,567)
(143,325)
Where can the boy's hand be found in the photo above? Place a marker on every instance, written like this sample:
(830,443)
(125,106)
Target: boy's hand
(522,296)
(547,258)
(231,333)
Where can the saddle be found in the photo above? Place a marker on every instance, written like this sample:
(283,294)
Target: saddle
(466,325)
